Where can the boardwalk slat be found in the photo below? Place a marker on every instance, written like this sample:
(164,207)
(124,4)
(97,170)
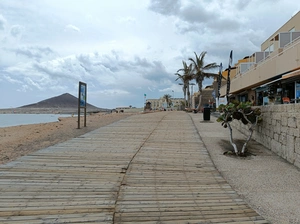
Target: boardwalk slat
(148,168)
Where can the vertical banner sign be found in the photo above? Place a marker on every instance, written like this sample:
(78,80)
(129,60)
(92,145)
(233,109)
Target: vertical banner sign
(82,101)
(228,76)
(219,80)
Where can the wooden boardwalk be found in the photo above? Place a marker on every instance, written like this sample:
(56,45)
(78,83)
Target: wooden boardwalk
(150,168)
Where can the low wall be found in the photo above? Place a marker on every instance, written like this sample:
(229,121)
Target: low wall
(279,131)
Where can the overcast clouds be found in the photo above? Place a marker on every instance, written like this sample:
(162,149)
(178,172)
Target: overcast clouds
(122,49)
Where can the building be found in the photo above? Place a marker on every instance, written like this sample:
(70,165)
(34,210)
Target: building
(160,104)
(271,76)
(207,100)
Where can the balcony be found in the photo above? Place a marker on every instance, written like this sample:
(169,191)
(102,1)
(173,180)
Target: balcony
(275,64)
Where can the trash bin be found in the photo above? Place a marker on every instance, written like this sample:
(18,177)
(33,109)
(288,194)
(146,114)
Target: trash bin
(206,114)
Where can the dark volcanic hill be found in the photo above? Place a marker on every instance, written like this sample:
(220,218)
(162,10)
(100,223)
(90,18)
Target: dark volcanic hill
(65,100)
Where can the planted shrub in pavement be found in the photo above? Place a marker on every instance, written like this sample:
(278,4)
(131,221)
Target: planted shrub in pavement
(243,112)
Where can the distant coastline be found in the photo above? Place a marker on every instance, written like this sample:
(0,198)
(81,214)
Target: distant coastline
(49,110)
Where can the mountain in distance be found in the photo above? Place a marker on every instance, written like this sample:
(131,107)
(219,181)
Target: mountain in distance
(65,100)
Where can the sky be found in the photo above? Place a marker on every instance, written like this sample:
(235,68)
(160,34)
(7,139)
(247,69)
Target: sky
(123,49)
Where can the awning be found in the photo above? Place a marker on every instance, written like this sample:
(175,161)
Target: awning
(242,93)
(291,74)
(276,80)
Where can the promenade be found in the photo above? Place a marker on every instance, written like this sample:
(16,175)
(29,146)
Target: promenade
(148,168)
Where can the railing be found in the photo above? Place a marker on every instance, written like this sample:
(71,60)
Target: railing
(292,42)
(271,56)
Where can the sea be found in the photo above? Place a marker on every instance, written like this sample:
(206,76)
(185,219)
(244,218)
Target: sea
(8,120)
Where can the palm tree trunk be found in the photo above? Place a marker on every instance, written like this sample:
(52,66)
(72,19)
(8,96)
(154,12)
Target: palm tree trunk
(189,97)
(200,95)
(184,93)
(200,101)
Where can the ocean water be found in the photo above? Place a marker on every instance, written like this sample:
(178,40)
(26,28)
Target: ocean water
(7,120)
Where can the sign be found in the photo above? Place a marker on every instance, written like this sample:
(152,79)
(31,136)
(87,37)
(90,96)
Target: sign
(82,89)
(82,101)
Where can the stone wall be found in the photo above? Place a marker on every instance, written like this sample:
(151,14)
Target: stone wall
(279,131)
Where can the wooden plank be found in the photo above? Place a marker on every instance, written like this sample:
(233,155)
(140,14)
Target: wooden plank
(148,168)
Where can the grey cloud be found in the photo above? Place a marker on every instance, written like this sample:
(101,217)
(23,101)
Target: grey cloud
(165,7)
(98,70)
(196,14)
(16,30)
(116,64)
(150,70)
(157,72)
(195,17)
(242,4)
(224,25)
(63,71)
(85,59)
(141,62)
(34,52)
(92,64)
(2,22)
(184,27)
(138,67)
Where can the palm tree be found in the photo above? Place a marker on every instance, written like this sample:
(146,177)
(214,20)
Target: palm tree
(200,71)
(184,86)
(185,78)
(167,97)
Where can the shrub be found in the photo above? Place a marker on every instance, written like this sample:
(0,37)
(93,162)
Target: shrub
(243,112)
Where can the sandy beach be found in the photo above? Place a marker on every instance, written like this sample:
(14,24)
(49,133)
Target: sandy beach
(21,140)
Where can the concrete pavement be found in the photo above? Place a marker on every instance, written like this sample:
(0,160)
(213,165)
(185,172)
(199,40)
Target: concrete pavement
(268,183)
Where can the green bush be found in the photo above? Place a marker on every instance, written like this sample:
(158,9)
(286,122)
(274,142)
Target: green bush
(243,112)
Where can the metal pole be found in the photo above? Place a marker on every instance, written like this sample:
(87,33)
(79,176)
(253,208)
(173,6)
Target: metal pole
(79,106)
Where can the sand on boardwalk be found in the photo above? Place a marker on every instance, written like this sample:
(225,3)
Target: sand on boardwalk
(21,140)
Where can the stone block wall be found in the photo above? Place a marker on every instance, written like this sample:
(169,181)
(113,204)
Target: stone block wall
(279,131)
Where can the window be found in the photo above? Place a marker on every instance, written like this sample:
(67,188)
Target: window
(270,48)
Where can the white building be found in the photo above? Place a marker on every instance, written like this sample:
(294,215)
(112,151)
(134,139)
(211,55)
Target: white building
(159,104)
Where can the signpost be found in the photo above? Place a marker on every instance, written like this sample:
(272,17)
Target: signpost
(82,96)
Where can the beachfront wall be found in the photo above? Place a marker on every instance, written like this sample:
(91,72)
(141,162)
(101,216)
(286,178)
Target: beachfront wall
(279,131)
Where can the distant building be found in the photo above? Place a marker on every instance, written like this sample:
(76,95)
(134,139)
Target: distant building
(159,104)
(207,99)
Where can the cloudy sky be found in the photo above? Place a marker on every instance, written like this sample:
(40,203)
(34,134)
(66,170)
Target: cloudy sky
(122,49)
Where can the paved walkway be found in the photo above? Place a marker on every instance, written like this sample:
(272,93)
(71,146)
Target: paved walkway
(268,183)
(149,168)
